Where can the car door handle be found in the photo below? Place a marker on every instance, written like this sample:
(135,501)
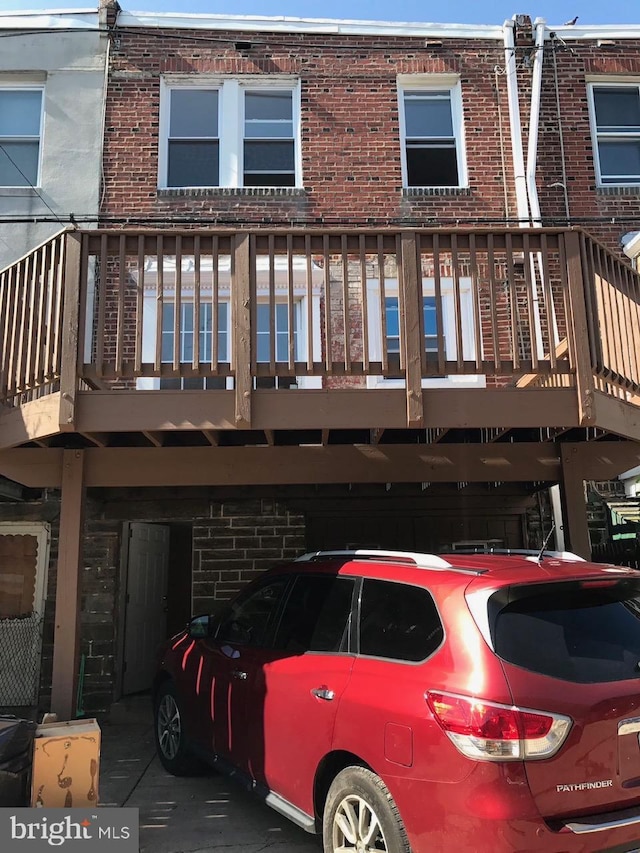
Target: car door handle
(323,693)
(630,726)
(239,674)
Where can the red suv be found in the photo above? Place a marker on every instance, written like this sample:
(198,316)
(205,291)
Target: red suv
(398,701)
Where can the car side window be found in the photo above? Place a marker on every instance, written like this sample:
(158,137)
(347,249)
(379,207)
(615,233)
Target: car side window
(316,615)
(398,621)
(251,615)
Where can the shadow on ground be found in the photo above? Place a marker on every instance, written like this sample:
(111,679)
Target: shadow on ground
(187,815)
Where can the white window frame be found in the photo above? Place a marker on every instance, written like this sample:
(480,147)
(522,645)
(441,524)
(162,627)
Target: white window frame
(614,82)
(408,83)
(231,92)
(28,87)
(375,302)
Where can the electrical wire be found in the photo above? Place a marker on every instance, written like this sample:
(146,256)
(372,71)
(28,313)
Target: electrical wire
(196,217)
(29,184)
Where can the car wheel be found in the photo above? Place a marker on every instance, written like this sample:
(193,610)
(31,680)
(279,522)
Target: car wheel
(360,815)
(170,736)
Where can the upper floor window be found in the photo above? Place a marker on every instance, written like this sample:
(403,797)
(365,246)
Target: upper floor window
(615,114)
(20,131)
(431,131)
(231,133)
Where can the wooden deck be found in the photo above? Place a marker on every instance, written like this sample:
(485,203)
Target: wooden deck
(306,337)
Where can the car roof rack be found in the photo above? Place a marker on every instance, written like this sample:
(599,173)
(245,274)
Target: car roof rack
(421,561)
(524,552)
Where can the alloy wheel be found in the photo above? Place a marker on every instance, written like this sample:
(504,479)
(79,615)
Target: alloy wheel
(169,727)
(356,827)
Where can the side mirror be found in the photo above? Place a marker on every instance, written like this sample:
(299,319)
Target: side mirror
(200,627)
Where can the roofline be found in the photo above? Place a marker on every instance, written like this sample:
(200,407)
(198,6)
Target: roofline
(324,26)
(593,32)
(50,19)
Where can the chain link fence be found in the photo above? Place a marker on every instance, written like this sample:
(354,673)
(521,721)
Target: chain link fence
(20,648)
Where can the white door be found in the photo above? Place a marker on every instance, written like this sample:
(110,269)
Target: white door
(146,603)
(24,558)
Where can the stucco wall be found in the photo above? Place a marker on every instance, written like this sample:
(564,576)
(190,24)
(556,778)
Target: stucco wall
(70,66)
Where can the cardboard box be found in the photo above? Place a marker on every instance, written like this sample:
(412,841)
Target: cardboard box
(66,762)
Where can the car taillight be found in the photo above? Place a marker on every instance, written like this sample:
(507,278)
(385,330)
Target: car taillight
(492,732)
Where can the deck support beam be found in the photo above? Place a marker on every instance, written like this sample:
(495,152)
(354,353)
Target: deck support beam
(66,641)
(574,504)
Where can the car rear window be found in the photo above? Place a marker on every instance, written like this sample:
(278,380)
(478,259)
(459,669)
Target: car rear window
(570,631)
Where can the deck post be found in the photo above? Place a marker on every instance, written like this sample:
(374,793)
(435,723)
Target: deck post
(241,296)
(574,504)
(66,640)
(411,320)
(70,332)
(578,319)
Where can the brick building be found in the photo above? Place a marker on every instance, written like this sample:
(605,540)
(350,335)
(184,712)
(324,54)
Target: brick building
(353,284)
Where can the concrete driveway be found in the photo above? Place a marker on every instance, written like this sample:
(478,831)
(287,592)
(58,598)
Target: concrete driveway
(188,815)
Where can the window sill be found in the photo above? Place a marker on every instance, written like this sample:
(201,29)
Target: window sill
(208,192)
(421,192)
(17,192)
(619,189)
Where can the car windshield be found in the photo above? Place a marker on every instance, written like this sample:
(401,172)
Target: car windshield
(572,631)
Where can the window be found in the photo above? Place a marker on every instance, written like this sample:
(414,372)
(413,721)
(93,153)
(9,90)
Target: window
(389,302)
(20,129)
(230,133)
(616,126)
(431,121)
(392,315)
(193,144)
(281,328)
(252,614)
(398,621)
(569,631)
(269,143)
(316,615)
(186,341)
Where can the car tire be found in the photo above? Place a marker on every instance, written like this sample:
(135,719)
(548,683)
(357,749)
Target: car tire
(169,733)
(360,814)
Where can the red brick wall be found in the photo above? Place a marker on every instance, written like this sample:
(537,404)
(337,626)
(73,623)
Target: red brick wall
(606,213)
(350,130)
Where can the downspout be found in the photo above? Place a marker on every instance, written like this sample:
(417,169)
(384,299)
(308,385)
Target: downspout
(522,203)
(520,177)
(532,163)
(534,202)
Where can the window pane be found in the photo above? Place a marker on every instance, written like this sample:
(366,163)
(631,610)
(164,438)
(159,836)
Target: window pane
(269,179)
(268,129)
(186,345)
(194,113)
(430,320)
(193,164)
(223,336)
(620,159)
(18,163)
(579,635)
(398,621)
(392,317)
(269,157)
(267,106)
(429,166)
(617,107)
(20,112)
(316,615)
(251,615)
(428,116)
(167,332)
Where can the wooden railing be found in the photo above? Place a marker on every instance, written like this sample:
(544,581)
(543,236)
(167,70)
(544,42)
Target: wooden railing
(148,310)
